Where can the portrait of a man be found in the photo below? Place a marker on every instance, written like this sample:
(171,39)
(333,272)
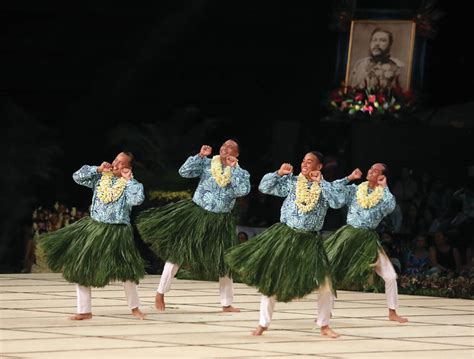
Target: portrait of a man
(380,54)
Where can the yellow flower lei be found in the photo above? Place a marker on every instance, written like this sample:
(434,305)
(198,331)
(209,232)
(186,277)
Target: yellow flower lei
(107,192)
(366,200)
(221,178)
(306,198)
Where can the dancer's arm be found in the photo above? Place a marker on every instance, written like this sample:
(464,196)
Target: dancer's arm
(276,185)
(240,182)
(388,202)
(339,193)
(87,176)
(134,193)
(194,165)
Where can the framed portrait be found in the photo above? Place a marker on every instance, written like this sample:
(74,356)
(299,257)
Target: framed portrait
(380,53)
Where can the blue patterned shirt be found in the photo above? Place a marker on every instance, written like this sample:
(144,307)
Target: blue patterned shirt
(117,212)
(285,186)
(344,194)
(209,195)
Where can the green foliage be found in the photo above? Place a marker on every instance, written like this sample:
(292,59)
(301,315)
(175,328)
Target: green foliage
(165,197)
(433,286)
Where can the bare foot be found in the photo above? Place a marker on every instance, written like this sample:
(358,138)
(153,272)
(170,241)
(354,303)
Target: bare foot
(82,316)
(259,331)
(392,315)
(328,332)
(136,312)
(160,301)
(230,309)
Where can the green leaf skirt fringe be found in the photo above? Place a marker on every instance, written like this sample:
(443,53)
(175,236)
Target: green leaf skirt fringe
(282,262)
(93,254)
(352,253)
(185,234)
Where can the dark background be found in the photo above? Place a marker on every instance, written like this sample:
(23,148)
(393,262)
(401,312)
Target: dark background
(79,84)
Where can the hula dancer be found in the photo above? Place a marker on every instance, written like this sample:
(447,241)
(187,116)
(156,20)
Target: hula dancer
(196,233)
(288,261)
(354,250)
(100,249)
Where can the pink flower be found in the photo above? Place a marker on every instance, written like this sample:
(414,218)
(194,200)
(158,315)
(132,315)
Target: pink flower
(368,108)
(372,98)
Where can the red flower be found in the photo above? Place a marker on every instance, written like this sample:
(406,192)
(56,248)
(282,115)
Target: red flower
(359,96)
(371,98)
(381,98)
(368,108)
(336,96)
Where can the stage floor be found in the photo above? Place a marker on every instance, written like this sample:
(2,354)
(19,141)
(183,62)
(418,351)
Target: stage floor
(35,307)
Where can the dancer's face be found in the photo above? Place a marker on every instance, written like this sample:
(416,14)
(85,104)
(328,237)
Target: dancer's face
(310,163)
(229,148)
(375,172)
(120,162)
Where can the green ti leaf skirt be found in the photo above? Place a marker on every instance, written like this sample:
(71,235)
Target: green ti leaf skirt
(352,253)
(183,233)
(282,262)
(93,254)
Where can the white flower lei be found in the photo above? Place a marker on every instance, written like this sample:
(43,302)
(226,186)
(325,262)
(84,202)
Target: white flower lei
(366,200)
(306,198)
(107,192)
(221,178)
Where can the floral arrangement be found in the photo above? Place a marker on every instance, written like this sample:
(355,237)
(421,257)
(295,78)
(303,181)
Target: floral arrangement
(371,101)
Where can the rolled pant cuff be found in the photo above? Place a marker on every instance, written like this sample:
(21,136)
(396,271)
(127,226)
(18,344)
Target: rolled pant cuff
(263,324)
(226,302)
(322,323)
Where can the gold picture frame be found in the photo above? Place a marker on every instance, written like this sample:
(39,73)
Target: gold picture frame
(380,53)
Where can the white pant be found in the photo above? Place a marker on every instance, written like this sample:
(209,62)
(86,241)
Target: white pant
(384,268)
(226,284)
(84,301)
(325,304)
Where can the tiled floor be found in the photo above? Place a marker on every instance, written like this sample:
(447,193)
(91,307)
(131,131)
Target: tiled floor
(34,310)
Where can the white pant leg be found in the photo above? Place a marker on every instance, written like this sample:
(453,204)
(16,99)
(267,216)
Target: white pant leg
(226,290)
(84,301)
(131,292)
(169,271)
(267,305)
(325,305)
(384,269)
